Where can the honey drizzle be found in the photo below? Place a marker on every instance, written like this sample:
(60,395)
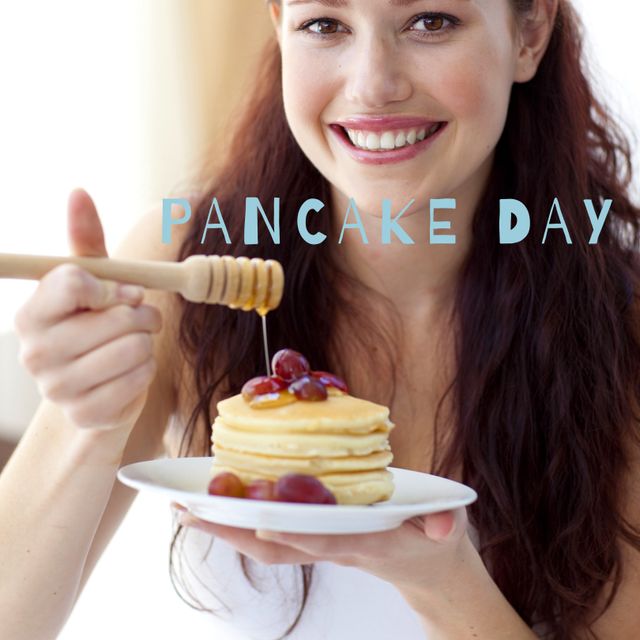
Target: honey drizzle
(265,342)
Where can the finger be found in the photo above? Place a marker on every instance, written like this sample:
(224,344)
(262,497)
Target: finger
(342,546)
(246,542)
(86,237)
(65,290)
(107,404)
(354,547)
(97,367)
(446,525)
(84,332)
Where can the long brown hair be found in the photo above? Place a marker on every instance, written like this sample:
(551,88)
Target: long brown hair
(548,353)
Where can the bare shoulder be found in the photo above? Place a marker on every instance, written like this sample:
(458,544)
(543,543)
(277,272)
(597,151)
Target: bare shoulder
(144,242)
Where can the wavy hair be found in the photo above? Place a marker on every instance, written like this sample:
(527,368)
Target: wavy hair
(548,352)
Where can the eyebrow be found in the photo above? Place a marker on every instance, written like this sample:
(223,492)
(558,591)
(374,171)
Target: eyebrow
(344,3)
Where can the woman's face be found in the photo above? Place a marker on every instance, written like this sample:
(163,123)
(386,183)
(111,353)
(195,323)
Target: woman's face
(398,99)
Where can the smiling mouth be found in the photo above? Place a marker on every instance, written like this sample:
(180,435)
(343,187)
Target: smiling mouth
(385,141)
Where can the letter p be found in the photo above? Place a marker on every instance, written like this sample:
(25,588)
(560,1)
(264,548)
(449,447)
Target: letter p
(168,221)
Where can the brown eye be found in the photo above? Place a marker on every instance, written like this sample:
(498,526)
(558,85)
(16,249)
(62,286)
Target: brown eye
(435,23)
(324,27)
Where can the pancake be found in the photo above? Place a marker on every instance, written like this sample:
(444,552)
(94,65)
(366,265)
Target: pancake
(359,488)
(318,465)
(336,414)
(343,441)
(296,445)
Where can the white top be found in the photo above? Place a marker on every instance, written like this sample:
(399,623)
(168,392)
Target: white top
(343,604)
(132,578)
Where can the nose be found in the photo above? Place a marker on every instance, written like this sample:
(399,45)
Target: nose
(376,75)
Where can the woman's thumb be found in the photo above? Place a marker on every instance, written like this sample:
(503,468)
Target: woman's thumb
(446,525)
(86,237)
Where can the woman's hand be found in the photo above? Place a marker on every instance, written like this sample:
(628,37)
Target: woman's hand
(417,557)
(86,341)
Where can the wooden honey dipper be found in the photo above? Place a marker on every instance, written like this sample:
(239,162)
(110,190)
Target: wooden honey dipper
(239,283)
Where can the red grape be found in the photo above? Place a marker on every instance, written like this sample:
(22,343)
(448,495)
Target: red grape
(261,386)
(330,380)
(298,487)
(226,484)
(289,365)
(260,490)
(308,388)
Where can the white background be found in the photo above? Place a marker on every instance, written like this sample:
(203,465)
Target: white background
(70,115)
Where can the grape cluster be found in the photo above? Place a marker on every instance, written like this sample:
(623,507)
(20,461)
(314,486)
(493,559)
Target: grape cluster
(292,379)
(292,487)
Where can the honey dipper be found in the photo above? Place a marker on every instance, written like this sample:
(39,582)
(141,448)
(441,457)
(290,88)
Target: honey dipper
(239,283)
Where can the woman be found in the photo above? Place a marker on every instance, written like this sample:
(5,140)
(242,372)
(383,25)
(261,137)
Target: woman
(513,368)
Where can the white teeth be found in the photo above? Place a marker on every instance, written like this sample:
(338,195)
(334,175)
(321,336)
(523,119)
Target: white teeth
(389,140)
(373,142)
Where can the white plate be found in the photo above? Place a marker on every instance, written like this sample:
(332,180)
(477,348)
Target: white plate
(185,481)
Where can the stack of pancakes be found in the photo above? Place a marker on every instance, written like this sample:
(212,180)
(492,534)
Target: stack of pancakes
(343,441)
